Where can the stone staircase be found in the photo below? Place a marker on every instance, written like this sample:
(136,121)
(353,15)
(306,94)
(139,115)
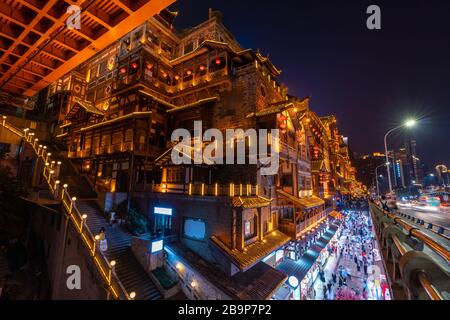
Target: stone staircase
(128,269)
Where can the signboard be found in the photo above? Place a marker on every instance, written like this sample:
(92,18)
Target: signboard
(293,282)
(157,246)
(163,211)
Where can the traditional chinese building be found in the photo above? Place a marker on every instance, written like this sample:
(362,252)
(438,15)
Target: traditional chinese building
(115,115)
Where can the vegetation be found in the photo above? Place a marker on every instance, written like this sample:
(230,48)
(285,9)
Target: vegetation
(136,221)
(164,279)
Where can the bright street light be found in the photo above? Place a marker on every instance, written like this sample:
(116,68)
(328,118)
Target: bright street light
(409,124)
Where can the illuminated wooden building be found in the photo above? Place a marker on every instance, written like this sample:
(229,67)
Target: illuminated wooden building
(118,125)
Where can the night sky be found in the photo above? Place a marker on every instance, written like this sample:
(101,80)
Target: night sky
(371,80)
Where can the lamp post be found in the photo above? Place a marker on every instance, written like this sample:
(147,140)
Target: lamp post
(376,178)
(408,124)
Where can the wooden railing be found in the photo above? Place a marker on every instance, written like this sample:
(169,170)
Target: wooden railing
(202,189)
(78,219)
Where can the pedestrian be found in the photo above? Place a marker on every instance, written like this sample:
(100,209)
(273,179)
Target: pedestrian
(101,233)
(365,268)
(103,244)
(334,278)
(324,288)
(329,285)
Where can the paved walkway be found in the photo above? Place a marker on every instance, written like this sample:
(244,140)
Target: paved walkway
(356,284)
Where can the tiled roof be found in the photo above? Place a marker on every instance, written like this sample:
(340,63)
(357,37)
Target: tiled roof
(258,283)
(305,202)
(277,108)
(255,251)
(86,105)
(250,202)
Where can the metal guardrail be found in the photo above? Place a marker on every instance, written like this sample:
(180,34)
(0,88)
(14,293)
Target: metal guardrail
(422,277)
(436,228)
(78,219)
(415,232)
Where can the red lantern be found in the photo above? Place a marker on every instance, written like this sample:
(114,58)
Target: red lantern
(283,118)
(123,70)
(282,125)
(134,65)
(149,66)
(189,72)
(202,68)
(218,61)
(177,77)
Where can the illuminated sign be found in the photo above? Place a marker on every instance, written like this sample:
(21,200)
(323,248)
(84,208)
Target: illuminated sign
(164,211)
(293,282)
(157,246)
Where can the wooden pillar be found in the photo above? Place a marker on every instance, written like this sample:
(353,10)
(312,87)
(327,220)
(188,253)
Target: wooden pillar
(239,229)
(260,224)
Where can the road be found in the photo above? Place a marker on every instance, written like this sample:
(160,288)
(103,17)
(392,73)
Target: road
(441,218)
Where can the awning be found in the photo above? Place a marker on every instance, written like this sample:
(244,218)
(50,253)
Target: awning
(305,203)
(300,268)
(255,251)
(271,110)
(336,215)
(79,104)
(258,283)
(250,202)
(118,119)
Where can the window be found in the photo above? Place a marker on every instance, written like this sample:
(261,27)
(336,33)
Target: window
(106,140)
(286,181)
(188,47)
(217,64)
(166,48)
(102,67)
(247,228)
(96,142)
(87,143)
(194,229)
(250,227)
(117,138)
(129,135)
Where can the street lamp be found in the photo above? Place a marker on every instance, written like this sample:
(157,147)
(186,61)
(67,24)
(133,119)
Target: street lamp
(409,124)
(376,175)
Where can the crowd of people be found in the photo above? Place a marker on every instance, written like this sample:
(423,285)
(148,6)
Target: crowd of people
(354,277)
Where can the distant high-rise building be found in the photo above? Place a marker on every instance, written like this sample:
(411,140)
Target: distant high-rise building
(442,174)
(415,168)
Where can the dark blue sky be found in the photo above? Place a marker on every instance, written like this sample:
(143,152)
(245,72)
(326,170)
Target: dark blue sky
(371,80)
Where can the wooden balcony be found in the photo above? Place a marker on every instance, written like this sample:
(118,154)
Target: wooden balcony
(202,189)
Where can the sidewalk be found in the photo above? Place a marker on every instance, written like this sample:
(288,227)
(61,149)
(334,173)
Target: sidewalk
(329,269)
(356,281)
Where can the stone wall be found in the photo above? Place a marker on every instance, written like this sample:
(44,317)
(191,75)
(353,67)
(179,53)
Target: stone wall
(57,240)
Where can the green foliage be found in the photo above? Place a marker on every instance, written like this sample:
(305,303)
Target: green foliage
(136,221)
(164,279)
